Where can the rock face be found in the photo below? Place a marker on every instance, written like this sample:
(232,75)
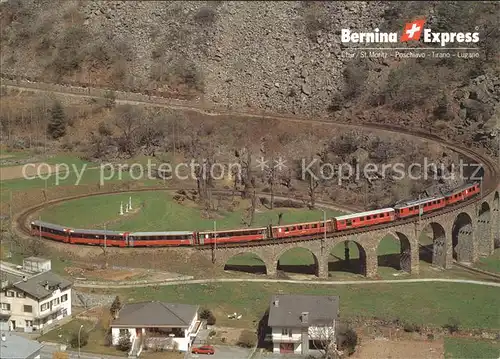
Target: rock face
(241,49)
(480,110)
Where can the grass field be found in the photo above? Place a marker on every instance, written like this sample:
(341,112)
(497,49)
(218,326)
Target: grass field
(490,263)
(419,303)
(468,348)
(95,344)
(157,211)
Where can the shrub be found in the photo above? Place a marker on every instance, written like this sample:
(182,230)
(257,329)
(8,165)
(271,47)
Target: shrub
(348,340)
(110,98)
(452,325)
(208,316)
(84,339)
(247,339)
(212,333)
(205,16)
(410,328)
(124,343)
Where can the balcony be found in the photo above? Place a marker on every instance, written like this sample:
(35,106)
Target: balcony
(286,338)
(5,312)
(54,309)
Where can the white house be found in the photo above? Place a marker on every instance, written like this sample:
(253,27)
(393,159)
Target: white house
(302,322)
(158,323)
(29,304)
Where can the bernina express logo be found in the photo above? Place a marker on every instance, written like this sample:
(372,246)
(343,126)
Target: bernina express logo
(412,31)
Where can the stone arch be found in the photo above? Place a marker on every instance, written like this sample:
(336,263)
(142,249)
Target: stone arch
(297,263)
(496,220)
(400,255)
(249,262)
(462,238)
(484,232)
(434,252)
(344,262)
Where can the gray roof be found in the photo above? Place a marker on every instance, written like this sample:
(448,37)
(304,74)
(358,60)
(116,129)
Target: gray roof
(37,259)
(17,347)
(9,277)
(35,286)
(155,314)
(287,313)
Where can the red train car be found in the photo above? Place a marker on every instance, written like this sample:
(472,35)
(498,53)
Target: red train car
(98,237)
(160,239)
(232,236)
(413,208)
(363,219)
(301,229)
(462,193)
(50,231)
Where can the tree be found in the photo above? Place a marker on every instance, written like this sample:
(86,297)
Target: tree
(129,120)
(115,307)
(325,340)
(82,340)
(347,339)
(208,316)
(124,342)
(57,122)
(110,99)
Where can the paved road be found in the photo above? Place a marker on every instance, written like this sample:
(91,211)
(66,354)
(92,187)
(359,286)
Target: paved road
(224,352)
(259,280)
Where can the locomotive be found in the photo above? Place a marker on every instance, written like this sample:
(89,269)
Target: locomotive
(400,211)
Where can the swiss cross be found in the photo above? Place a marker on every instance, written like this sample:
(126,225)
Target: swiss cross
(412,30)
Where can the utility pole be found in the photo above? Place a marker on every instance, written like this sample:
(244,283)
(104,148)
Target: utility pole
(105,237)
(324,231)
(10,223)
(40,227)
(215,242)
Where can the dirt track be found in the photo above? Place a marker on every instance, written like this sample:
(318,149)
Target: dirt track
(7,173)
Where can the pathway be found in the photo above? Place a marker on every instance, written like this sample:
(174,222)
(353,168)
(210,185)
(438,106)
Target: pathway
(266,280)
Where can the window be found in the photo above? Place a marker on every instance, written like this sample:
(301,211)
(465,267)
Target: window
(123,332)
(20,295)
(9,293)
(44,307)
(64,298)
(28,309)
(5,306)
(55,301)
(29,323)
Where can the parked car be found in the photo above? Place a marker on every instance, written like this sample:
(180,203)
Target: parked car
(206,349)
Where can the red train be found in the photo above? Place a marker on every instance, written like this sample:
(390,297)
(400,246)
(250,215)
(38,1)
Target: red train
(187,238)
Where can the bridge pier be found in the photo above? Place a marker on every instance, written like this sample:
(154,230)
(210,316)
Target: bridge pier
(371,264)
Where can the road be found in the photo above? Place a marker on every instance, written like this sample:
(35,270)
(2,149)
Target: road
(266,280)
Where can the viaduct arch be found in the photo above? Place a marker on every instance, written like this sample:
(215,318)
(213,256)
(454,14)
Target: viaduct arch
(465,233)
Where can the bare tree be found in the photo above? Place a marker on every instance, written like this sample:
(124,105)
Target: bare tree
(325,340)
(129,120)
(311,175)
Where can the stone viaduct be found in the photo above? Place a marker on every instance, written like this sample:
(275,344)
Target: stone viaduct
(466,233)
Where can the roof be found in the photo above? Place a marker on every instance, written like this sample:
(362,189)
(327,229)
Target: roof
(321,310)
(172,233)
(236,230)
(155,314)
(96,231)
(36,259)
(298,224)
(363,214)
(48,225)
(7,279)
(461,188)
(35,286)
(17,347)
(418,202)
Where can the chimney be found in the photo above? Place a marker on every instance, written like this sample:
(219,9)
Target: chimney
(25,278)
(46,285)
(304,318)
(276,302)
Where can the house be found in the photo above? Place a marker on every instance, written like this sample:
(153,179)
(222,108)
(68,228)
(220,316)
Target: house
(302,322)
(14,346)
(36,264)
(30,303)
(165,324)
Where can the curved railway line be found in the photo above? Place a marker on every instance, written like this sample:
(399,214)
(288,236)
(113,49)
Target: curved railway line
(491,174)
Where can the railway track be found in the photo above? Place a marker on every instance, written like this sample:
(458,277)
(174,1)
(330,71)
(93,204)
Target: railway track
(491,172)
